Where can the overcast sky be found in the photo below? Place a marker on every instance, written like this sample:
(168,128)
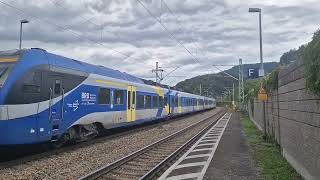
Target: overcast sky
(122,35)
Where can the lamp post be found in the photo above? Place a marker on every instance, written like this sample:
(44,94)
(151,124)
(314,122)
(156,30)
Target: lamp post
(24,21)
(261,70)
(255,10)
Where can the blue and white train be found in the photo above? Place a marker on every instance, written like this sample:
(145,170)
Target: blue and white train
(45,97)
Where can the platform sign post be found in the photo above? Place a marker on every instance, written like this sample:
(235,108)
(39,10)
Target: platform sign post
(262,96)
(253,73)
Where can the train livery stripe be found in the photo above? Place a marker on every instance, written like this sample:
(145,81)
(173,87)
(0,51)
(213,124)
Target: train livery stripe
(159,91)
(5,60)
(112,83)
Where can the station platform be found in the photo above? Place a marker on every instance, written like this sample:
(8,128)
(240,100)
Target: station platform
(232,159)
(222,153)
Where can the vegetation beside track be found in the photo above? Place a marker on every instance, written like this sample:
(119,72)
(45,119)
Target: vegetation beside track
(267,154)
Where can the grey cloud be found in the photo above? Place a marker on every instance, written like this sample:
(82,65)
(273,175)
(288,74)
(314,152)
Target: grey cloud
(224,30)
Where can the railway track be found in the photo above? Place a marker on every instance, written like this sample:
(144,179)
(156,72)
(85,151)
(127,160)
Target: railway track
(150,161)
(112,134)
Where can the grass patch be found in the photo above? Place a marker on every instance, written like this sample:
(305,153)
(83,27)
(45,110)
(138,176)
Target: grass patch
(266,154)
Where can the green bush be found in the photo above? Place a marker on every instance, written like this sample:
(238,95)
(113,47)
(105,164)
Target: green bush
(311,58)
(271,80)
(269,83)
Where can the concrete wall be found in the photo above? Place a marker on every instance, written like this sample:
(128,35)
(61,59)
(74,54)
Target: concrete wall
(292,116)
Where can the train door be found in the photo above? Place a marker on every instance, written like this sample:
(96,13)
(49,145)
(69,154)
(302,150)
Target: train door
(56,101)
(171,104)
(131,103)
(179,104)
(193,103)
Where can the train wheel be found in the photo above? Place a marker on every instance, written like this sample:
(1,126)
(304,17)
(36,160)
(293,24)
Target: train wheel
(68,137)
(87,132)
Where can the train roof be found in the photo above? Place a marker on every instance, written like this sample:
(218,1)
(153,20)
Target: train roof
(57,60)
(40,56)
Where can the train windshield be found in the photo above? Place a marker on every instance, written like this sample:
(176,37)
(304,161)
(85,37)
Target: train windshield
(7,61)
(5,69)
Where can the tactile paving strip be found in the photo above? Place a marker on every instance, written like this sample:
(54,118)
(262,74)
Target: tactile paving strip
(195,162)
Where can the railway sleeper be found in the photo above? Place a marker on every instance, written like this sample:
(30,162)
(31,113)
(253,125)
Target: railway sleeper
(140,163)
(166,148)
(157,155)
(145,161)
(134,168)
(123,173)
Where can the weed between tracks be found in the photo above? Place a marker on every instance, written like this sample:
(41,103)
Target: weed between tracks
(267,154)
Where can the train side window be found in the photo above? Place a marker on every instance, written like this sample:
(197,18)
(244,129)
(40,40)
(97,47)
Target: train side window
(30,88)
(165,100)
(129,100)
(155,101)
(133,97)
(104,96)
(148,101)
(140,101)
(57,86)
(118,97)
(176,101)
(161,101)
(37,77)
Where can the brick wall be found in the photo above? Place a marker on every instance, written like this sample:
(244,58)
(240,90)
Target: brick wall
(292,116)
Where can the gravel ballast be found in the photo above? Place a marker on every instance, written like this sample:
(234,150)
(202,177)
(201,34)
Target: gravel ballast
(76,163)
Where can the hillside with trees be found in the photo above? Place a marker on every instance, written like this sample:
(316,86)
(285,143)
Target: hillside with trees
(213,85)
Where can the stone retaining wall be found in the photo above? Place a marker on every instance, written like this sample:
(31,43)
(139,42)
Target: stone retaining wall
(292,115)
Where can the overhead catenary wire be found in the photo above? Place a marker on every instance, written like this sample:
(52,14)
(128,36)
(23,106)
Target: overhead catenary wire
(180,27)
(61,28)
(179,24)
(193,42)
(57,3)
(166,29)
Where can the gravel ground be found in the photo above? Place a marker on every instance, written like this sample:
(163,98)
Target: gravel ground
(137,167)
(74,164)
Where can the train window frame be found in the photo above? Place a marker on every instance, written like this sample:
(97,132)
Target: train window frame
(134,94)
(165,101)
(140,104)
(161,101)
(115,100)
(55,91)
(107,96)
(176,101)
(28,90)
(155,102)
(37,77)
(129,100)
(148,104)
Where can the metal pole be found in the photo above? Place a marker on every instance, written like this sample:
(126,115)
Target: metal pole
(200,89)
(239,82)
(264,121)
(157,66)
(242,85)
(20,35)
(261,55)
(233,94)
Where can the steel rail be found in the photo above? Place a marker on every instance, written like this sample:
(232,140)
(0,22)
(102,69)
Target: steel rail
(164,164)
(108,168)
